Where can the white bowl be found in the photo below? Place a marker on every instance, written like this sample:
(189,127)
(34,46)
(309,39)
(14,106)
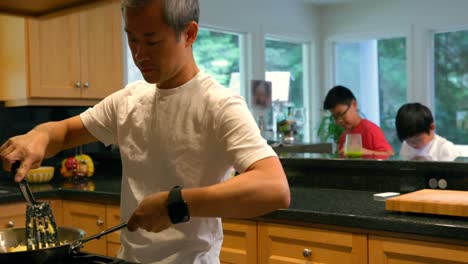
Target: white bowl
(40,175)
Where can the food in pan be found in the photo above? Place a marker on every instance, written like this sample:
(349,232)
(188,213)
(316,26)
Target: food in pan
(21,247)
(18,248)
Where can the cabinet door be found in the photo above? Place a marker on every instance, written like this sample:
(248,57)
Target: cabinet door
(12,215)
(13,64)
(113,239)
(403,251)
(101,50)
(91,218)
(281,244)
(240,242)
(54,45)
(57,210)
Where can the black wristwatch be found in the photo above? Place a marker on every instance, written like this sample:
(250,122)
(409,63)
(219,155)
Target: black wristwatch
(177,207)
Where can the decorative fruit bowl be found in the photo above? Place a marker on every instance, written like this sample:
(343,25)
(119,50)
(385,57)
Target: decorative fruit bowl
(40,175)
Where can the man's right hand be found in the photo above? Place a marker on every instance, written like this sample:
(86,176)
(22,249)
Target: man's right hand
(29,149)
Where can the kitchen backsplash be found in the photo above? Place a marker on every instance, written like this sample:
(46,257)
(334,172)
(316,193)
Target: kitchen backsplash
(19,120)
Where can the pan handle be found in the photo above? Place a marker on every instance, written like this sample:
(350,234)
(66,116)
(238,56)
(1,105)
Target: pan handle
(76,246)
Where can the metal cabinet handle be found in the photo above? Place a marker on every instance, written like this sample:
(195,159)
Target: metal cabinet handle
(86,85)
(78,84)
(99,222)
(306,252)
(10,224)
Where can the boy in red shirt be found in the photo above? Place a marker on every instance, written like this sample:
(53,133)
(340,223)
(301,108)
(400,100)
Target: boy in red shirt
(342,104)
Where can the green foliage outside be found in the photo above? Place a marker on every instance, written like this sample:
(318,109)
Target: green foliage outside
(451,85)
(287,56)
(392,85)
(217,54)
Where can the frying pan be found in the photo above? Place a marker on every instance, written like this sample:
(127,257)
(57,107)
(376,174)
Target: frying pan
(71,240)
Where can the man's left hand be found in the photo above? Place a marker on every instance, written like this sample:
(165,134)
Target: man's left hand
(151,214)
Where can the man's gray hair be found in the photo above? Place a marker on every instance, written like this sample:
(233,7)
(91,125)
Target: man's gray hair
(177,13)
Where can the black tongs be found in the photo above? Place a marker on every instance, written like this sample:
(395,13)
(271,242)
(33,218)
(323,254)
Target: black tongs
(41,229)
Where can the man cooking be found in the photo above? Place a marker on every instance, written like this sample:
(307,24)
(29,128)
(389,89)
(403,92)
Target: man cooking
(178,132)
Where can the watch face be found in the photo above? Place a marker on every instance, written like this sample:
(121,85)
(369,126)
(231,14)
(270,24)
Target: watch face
(178,212)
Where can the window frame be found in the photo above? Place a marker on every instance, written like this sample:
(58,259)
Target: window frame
(330,56)
(307,89)
(243,58)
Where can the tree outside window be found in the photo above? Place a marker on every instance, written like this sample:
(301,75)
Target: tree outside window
(451,85)
(218,54)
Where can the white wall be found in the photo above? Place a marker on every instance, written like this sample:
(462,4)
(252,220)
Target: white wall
(416,19)
(293,20)
(258,18)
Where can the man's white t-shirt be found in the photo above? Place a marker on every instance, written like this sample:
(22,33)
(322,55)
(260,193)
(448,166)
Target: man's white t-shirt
(187,136)
(439,149)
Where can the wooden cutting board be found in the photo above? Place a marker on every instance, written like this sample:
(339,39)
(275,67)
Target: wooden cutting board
(428,201)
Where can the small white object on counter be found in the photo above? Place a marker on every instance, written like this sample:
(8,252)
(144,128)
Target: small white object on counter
(383,196)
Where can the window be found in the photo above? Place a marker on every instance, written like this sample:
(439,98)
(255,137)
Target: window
(284,67)
(218,54)
(133,73)
(451,85)
(375,71)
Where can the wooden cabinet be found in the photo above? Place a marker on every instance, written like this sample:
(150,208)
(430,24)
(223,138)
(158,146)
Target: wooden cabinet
(282,244)
(250,242)
(404,251)
(14,214)
(240,242)
(74,54)
(91,218)
(113,239)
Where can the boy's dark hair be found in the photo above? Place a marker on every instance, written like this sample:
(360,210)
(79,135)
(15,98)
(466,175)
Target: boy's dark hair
(413,119)
(338,95)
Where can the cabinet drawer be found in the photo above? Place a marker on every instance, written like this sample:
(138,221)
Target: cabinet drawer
(239,243)
(91,218)
(112,249)
(281,244)
(113,219)
(12,215)
(405,251)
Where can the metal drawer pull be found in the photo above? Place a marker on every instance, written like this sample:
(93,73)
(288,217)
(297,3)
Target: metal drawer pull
(306,253)
(78,84)
(10,224)
(99,222)
(86,85)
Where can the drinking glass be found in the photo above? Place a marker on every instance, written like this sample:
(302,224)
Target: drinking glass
(353,146)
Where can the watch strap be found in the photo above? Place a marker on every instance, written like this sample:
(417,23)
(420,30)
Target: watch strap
(177,207)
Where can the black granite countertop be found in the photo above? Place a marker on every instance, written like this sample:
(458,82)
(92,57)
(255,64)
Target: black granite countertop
(339,207)
(96,189)
(358,209)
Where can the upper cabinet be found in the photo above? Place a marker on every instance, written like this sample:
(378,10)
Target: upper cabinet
(37,7)
(72,57)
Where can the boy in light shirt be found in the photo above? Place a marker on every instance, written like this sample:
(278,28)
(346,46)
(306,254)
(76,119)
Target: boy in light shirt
(416,129)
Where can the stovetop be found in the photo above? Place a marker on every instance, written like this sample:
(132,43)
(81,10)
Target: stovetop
(91,258)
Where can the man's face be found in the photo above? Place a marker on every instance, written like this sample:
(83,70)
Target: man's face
(154,45)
